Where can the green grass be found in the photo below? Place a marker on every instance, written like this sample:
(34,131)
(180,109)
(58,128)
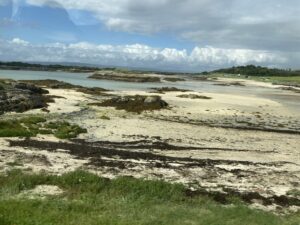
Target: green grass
(11,128)
(91,200)
(65,130)
(294,192)
(32,125)
(286,80)
(33,120)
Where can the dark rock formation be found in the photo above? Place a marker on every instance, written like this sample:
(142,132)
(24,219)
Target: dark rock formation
(20,97)
(126,77)
(173,79)
(30,87)
(55,84)
(194,96)
(135,103)
(163,90)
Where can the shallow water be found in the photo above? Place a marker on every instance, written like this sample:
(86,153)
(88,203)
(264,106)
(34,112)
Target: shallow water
(82,79)
(283,97)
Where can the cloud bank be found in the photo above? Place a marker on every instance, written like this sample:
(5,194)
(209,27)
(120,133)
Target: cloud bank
(199,59)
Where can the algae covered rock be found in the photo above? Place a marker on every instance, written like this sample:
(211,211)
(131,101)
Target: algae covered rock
(136,103)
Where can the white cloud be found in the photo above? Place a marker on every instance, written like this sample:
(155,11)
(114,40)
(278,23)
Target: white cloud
(135,55)
(250,24)
(19,41)
(218,56)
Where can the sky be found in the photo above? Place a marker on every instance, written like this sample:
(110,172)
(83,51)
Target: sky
(176,35)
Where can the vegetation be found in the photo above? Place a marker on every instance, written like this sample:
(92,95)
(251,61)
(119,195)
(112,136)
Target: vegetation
(88,199)
(137,103)
(41,67)
(70,68)
(33,125)
(294,80)
(284,80)
(65,130)
(252,70)
(294,192)
(11,128)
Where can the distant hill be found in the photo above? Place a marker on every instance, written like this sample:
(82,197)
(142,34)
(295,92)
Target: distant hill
(79,67)
(45,67)
(252,70)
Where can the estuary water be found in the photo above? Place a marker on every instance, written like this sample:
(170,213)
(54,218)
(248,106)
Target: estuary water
(83,80)
(284,97)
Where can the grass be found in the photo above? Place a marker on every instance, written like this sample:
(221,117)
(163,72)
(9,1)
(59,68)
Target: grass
(65,130)
(294,192)
(32,125)
(11,128)
(289,80)
(91,200)
(286,80)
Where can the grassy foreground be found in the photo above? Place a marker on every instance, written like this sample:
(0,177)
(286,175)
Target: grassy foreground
(91,200)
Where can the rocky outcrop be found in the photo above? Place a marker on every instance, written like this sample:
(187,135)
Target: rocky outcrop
(55,84)
(29,87)
(20,97)
(135,103)
(163,90)
(125,77)
(194,96)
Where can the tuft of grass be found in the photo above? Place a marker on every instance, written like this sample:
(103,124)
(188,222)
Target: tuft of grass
(90,200)
(11,128)
(33,125)
(33,120)
(65,130)
(294,192)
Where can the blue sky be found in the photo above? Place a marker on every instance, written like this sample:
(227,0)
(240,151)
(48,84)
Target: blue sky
(189,35)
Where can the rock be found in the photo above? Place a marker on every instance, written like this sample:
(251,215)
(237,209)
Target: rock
(193,96)
(124,76)
(155,100)
(20,97)
(163,90)
(135,103)
(151,99)
(30,87)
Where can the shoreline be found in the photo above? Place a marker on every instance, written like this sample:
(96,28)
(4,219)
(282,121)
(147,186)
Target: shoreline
(149,145)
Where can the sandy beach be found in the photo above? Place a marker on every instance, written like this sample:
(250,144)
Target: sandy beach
(220,142)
